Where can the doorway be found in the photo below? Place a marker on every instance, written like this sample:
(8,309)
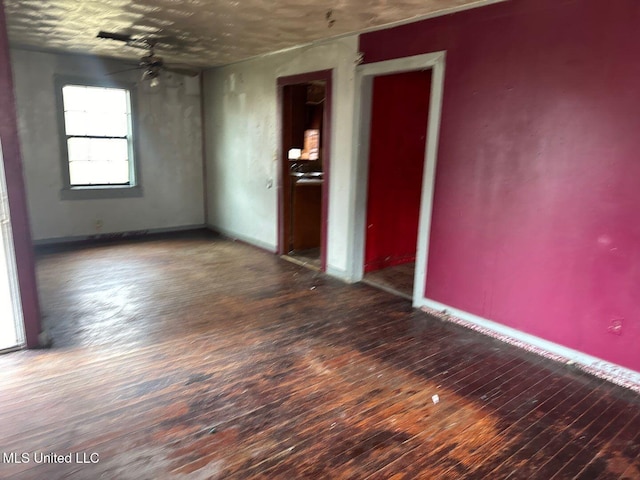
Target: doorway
(11,325)
(434,63)
(305,115)
(399,117)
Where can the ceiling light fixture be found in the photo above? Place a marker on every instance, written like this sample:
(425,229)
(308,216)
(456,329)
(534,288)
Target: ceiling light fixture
(152,75)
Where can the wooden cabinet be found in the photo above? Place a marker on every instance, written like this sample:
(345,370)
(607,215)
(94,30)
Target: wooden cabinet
(307,213)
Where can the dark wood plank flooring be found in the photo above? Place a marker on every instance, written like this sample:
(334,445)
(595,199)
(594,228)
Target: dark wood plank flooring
(307,258)
(188,356)
(397,279)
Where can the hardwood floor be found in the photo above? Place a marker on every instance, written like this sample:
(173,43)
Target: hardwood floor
(307,258)
(188,356)
(397,279)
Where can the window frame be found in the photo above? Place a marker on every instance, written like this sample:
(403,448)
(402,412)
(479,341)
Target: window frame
(86,192)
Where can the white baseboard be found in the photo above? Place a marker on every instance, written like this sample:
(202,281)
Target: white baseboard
(269,247)
(340,274)
(609,371)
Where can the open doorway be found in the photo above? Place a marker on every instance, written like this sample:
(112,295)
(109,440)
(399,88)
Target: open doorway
(11,325)
(391,198)
(304,166)
(399,118)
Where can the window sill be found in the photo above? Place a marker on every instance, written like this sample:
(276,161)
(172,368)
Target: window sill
(100,192)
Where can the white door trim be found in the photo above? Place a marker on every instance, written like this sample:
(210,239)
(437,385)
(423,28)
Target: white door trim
(364,84)
(436,62)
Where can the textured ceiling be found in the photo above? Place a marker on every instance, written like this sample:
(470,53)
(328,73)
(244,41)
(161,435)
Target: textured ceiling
(203,32)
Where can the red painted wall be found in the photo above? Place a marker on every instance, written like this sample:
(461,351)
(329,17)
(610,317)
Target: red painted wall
(536,221)
(399,113)
(16,193)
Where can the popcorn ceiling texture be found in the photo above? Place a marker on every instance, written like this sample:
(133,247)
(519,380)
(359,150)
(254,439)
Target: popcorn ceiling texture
(203,33)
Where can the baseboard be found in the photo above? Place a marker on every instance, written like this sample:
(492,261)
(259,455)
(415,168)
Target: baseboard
(267,247)
(115,235)
(611,372)
(340,274)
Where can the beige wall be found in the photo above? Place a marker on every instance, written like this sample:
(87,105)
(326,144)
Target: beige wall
(241,128)
(169,151)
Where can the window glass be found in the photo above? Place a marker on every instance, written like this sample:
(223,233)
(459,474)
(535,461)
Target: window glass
(98,135)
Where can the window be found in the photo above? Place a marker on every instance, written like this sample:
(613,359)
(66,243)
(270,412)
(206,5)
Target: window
(98,153)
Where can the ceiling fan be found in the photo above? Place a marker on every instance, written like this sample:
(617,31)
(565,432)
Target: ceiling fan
(151,64)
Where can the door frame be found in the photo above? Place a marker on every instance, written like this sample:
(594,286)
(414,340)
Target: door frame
(16,195)
(364,84)
(6,244)
(327,77)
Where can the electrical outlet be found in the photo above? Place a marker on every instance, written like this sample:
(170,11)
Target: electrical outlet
(98,225)
(615,326)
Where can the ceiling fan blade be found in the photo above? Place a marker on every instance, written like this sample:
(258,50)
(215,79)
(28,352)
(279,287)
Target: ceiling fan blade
(128,40)
(189,72)
(121,37)
(151,62)
(123,71)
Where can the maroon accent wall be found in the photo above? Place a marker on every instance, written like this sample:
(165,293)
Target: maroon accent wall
(16,193)
(536,220)
(399,113)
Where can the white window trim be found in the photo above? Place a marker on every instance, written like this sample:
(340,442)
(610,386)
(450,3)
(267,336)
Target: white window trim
(87,192)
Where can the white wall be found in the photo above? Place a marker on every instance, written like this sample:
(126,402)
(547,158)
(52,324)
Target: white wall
(241,131)
(169,151)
